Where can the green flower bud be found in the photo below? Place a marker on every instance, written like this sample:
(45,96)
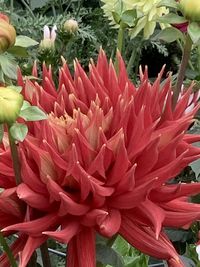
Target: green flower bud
(70,26)
(47,44)
(191,9)
(10,105)
(7,34)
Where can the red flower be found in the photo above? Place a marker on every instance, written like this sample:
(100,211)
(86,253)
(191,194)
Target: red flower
(102,162)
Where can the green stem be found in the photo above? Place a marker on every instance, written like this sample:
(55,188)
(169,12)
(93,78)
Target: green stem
(28,8)
(182,69)
(60,6)
(7,250)
(11,7)
(131,61)
(189,61)
(68,6)
(15,158)
(53,10)
(134,60)
(79,8)
(120,40)
(45,255)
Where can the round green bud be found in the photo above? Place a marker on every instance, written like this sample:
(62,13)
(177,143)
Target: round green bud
(191,9)
(47,44)
(70,26)
(10,105)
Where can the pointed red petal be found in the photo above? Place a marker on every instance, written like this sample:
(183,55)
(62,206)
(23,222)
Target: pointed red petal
(143,238)
(110,226)
(35,227)
(70,206)
(31,245)
(66,233)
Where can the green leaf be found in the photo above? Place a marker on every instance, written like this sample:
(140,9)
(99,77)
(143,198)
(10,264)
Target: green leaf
(2,78)
(118,6)
(18,131)
(138,261)
(1,132)
(38,3)
(25,41)
(192,254)
(8,65)
(178,235)
(194,32)
(169,35)
(168,3)
(172,18)
(25,105)
(129,17)
(121,246)
(116,17)
(18,51)
(195,165)
(32,113)
(106,255)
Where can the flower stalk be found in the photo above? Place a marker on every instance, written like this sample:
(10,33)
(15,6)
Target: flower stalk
(15,157)
(120,40)
(182,69)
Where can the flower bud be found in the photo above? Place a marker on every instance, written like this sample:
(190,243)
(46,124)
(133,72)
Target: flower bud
(48,42)
(70,26)
(10,104)
(190,9)
(7,33)
(4,17)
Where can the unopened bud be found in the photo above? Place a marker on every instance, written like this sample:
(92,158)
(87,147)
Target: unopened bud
(7,33)
(191,9)
(10,105)
(48,42)
(71,26)
(4,17)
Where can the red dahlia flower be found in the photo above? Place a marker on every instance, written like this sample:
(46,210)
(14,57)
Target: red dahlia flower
(102,161)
